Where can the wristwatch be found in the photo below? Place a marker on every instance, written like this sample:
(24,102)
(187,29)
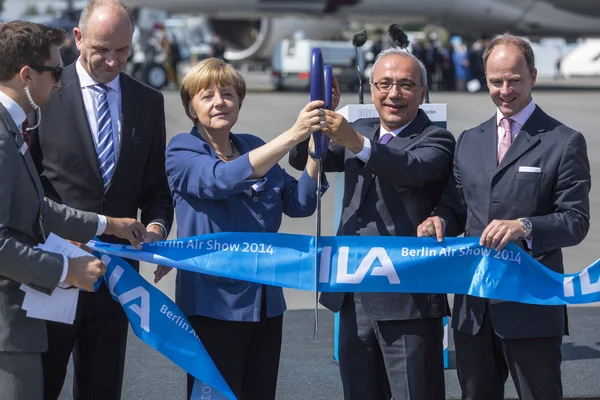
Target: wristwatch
(311,154)
(527,226)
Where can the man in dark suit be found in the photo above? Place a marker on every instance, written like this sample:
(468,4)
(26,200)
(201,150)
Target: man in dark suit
(395,169)
(100,148)
(521,176)
(29,72)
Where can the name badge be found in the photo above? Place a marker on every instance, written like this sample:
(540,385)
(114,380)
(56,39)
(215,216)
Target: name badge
(23,149)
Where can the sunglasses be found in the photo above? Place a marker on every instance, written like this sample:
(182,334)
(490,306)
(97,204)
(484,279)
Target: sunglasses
(56,71)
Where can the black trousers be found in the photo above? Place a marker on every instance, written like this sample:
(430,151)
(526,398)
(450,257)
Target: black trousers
(98,339)
(246,353)
(483,362)
(379,360)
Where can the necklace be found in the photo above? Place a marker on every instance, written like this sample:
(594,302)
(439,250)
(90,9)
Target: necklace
(232,151)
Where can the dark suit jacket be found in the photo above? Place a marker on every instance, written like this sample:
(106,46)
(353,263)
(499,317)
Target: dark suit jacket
(64,153)
(391,195)
(22,208)
(555,201)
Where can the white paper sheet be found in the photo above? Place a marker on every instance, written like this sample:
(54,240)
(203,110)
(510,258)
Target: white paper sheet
(61,306)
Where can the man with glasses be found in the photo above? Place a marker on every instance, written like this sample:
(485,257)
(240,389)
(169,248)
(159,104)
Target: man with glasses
(101,147)
(29,72)
(390,344)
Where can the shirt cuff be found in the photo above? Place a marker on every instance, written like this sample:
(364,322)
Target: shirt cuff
(365,153)
(101,225)
(528,240)
(63,276)
(164,230)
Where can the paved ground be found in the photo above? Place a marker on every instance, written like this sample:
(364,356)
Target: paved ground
(306,370)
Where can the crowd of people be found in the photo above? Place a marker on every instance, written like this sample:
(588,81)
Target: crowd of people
(90,136)
(450,67)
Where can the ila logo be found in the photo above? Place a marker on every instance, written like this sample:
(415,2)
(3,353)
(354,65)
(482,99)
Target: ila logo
(143,310)
(377,262)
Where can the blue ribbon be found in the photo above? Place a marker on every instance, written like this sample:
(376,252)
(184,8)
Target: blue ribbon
(347,264)
(158,321)
(372,264)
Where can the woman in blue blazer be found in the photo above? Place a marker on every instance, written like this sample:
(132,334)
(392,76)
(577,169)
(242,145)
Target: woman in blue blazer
(225,182)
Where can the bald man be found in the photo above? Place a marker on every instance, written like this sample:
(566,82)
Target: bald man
(100,148)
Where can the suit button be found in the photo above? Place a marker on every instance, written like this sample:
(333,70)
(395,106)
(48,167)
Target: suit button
(359,219)
(259,216)
(255,199)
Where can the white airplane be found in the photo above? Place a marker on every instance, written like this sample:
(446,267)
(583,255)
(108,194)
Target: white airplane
(251,28)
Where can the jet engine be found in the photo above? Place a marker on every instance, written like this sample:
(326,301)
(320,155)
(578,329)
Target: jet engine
(255,39)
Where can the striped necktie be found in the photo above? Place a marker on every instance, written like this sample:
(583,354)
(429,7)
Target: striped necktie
(106,150)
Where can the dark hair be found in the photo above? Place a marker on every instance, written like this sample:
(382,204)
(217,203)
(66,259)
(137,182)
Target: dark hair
(25,43)
(508,39)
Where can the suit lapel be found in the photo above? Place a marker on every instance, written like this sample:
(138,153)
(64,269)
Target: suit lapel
(488,145)
(127,133)
(526,139)
(70,96)
(10,124)
(370,134)
(404,139)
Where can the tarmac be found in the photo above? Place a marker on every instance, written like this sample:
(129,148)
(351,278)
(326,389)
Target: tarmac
(306,368)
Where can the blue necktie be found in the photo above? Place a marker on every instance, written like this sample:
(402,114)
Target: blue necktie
(106,150)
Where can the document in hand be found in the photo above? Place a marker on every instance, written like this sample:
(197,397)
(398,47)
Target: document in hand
(61,305)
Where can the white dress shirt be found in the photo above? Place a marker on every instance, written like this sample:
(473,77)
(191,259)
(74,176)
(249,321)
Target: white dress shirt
(91,101)
(365,153)
(18,116)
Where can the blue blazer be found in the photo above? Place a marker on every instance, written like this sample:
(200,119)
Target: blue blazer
(214,196)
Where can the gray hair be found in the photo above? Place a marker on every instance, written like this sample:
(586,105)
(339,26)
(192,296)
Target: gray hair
(403,53)
(90,7)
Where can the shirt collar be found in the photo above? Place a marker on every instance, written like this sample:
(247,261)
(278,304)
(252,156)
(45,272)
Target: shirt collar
(85,80)
(14,110)
(395,132)
(521,117)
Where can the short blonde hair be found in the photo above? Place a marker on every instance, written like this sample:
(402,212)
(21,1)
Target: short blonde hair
(208,72)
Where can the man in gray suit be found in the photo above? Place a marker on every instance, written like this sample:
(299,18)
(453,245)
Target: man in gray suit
(521,176)
(30,70)
(395,168)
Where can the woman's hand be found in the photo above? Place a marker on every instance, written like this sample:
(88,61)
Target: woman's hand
(310,119)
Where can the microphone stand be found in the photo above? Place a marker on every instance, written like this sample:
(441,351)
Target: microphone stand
(360,82)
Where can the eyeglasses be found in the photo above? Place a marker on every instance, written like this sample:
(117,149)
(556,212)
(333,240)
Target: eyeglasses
(57,71)
(404,86)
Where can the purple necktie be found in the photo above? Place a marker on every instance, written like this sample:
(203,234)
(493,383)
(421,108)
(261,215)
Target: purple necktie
(385,139)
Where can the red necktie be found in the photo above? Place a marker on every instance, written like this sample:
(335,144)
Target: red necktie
(26,135)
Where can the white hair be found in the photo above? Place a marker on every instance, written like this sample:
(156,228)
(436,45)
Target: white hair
(403,53)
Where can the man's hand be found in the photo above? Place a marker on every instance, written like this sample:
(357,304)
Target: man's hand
(341,132)
(81,246)
(160,271)
(499,232)
(336,94)
(154,233)
(84,271)
(126,228)
(432,226)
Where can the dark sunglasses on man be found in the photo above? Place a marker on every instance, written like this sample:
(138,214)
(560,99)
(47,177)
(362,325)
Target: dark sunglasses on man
(57,71)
